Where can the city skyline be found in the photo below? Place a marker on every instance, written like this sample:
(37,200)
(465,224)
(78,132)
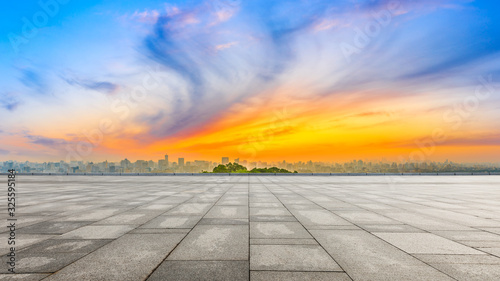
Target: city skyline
(271,80)
(202,166)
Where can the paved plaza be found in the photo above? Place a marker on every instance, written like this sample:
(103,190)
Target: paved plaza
(255,228)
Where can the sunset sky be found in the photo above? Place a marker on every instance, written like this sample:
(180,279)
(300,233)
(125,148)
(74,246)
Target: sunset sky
(263,80)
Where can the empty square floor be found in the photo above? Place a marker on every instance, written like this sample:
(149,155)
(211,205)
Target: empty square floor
(255,228)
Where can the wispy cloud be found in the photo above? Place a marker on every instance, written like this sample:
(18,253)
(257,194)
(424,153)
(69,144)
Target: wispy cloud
(10,102)
(32,78)
(146,16)
(100,86)
(53,143)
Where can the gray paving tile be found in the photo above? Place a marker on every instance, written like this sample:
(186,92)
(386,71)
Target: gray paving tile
(278,230)
(201,270)
(195,209)
(214,242)
(468,235)
(283,241)
(426,243)
(52,227)
(131,257)
(493,251)
(363,255)
(228,212)
(66,246)
(133,217)
(25,277)
(390,228)
(160,230)
(291,258)
(172,222)
(365,217)
(42,262)
(319,217)
(269,212)
(467,259)
(97,232)
(297,276)
(212,221)
(272,218)
(471,272)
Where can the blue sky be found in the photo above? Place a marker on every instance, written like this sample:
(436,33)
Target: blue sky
(214,56)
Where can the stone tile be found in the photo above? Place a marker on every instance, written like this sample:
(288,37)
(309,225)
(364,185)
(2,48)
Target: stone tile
(160,230)
(332,227)
(94,215)
(468,235)
(297,276)
(194,209)
(390,228)
(131,257)
(53,246)
(319,217)
(214,242)
(365,217)
(42,262)
(363,256)
(228,212)
(52,227)
(278,230)
(269,212)
(172,222)
(131,217)
(467,259)
(97,232)
(25,277)
(426,243)
(291,258)
(283,242)
(481,244)
(265,205)
(24,240)
(212,221)
(471,272)
(493,251)
(272,218)
(201,270)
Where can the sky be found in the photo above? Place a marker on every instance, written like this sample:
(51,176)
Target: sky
(320,80)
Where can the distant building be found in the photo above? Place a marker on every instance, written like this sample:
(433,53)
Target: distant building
(166,160)
(181,162)
(162,164)
(225,160)
(237,160)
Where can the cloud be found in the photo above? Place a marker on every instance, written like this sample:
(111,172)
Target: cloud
(11,106)
(53,143)
(225,46)
(10,102)
(187,42)
(4,152)
(32,79)
(100,86)
(147,16)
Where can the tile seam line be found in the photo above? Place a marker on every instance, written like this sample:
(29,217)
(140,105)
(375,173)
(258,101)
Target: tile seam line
(173,249)
(340,266)
(362,229)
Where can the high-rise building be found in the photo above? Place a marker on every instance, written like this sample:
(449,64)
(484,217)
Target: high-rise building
(166,160)
(225,160)
(181,162)
(237,160)
(162,164)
